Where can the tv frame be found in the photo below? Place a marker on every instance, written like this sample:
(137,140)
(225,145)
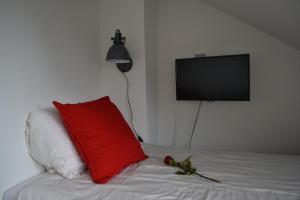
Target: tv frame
(213,99)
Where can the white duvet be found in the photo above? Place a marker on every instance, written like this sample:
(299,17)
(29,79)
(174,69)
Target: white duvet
(243,176)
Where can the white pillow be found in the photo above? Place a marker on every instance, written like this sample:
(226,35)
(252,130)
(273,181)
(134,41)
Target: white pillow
(49,144)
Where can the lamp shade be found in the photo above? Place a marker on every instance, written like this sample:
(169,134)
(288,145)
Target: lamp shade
(118,53)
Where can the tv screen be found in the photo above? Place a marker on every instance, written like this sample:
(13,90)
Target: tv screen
(215,78)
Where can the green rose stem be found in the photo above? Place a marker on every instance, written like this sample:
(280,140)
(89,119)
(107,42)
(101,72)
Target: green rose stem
(207,177)
(193,171)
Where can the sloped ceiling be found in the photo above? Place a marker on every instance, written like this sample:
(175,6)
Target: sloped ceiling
(279,18)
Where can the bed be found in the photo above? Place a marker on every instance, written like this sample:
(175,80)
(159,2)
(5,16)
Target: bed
(243,176)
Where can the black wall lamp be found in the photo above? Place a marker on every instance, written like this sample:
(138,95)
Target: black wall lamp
(118,53)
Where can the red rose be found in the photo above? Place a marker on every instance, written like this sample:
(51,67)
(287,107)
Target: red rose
(168,160)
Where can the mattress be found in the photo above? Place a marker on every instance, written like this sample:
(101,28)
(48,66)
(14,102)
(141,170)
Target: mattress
(243,176)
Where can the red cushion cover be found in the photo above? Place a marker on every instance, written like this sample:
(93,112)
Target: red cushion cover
(102,137)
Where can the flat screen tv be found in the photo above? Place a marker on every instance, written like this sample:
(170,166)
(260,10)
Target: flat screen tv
(214,78)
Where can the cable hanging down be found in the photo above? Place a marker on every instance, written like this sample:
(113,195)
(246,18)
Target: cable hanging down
(130,109)
(196,119)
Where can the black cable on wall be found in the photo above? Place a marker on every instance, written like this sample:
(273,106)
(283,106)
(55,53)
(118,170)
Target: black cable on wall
(130,109)
(195,122)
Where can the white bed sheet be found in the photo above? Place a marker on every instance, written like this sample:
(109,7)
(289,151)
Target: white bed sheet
(243,175)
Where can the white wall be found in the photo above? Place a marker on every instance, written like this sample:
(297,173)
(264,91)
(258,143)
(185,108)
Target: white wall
(150,8)
(276,17)
(270,122)
(48,50)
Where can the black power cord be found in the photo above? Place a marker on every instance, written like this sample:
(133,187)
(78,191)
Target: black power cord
(196,119)
(130,109)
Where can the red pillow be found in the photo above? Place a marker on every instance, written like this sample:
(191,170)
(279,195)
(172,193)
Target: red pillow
(102,137)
